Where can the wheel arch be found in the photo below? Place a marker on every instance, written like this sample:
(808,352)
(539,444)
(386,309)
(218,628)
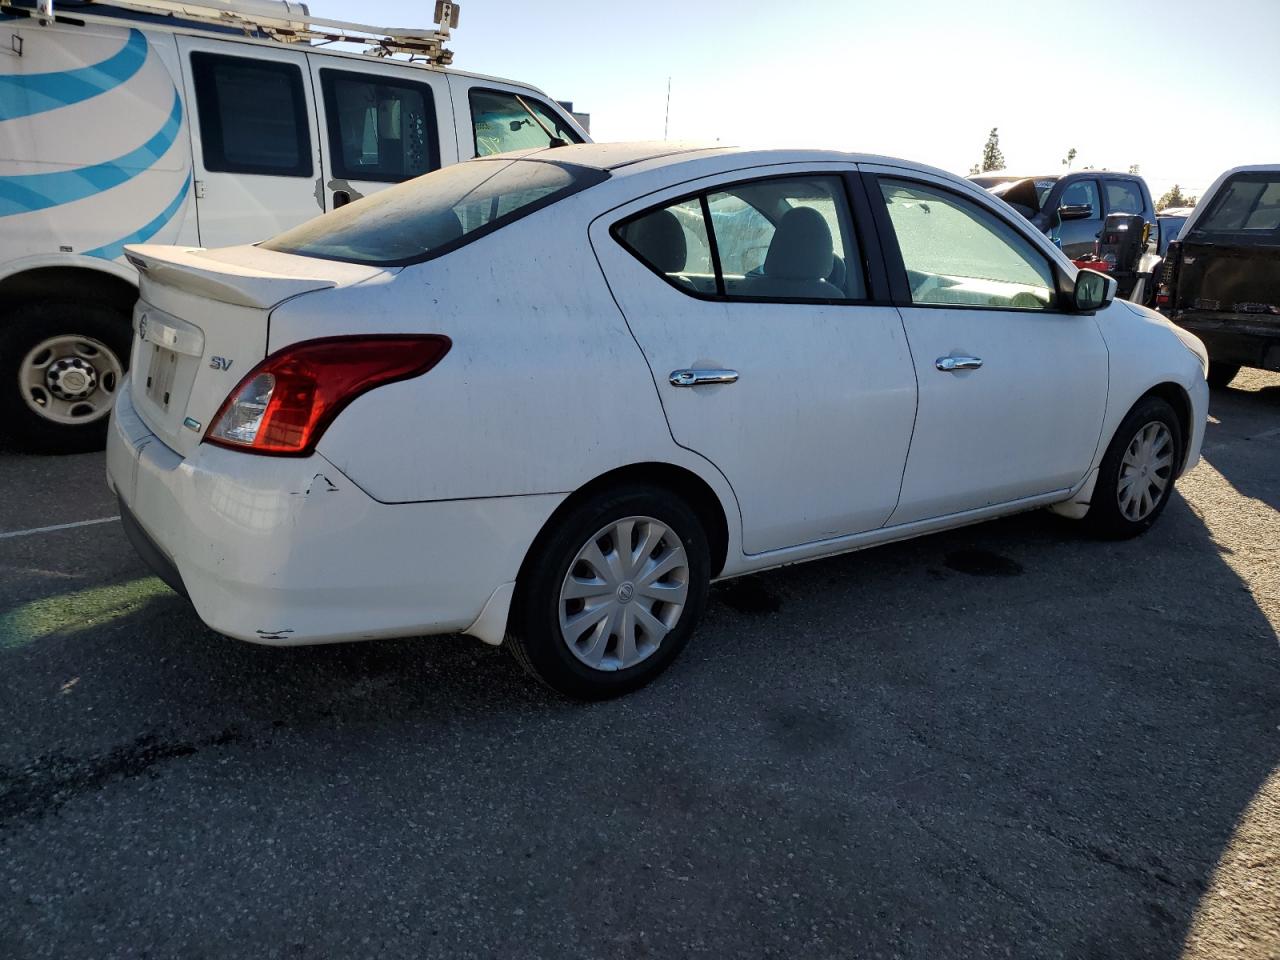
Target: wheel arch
(681,481)
(99,281)
(1178,398)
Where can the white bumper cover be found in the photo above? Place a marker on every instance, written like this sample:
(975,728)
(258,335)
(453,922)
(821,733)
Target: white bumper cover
(289,551)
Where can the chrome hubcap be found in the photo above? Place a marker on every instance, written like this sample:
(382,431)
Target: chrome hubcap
(1145,471)
(624,591)
(70,379)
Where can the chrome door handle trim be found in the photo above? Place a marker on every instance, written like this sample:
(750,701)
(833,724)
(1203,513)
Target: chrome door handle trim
(698,378)
(952,364)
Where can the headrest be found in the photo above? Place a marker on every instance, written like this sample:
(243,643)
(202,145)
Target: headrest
(801,248)
(659,239)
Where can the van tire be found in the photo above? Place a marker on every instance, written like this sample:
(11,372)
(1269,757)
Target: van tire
(99,327)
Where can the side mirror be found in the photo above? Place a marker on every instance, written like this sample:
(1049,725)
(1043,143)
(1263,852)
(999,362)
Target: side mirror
(1093,291)
(1075,211)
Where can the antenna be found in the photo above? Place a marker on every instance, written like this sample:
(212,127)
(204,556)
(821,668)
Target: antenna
(666,122)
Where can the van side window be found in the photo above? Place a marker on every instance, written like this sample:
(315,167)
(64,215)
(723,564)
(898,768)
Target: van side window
(253,116)
(379,129)
(505,121)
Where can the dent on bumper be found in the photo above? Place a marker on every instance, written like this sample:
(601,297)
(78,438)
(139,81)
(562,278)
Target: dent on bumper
(289,551)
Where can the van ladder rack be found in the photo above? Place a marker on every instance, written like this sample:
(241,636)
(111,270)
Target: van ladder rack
(291,22)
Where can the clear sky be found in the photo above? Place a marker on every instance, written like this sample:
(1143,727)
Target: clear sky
(1183,88)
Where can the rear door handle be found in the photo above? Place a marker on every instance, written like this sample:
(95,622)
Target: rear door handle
(698,378)
(952,364)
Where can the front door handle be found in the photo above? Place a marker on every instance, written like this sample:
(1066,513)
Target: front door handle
(698,378)
(952,364)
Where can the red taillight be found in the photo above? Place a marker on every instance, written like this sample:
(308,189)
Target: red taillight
(288,400)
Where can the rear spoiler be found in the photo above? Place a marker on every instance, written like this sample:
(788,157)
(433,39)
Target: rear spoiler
(194,271)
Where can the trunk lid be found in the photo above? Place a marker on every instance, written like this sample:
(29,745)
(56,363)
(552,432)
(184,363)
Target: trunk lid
(201,324)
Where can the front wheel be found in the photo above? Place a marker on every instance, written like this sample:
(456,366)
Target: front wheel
(61,366)
(1135,480)
(610,596)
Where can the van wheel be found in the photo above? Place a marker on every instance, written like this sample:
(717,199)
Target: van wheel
(611,594)
(1138,470)
(1221,374)
(61,366)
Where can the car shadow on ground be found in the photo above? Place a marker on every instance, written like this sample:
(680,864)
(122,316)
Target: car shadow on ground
(1005,739)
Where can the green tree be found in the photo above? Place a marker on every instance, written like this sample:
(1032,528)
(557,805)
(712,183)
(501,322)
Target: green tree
(1069,158)
(1133,168)
(1174,197)
(992,158)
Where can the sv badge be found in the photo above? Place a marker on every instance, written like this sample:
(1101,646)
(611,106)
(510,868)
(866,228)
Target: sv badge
(219,363)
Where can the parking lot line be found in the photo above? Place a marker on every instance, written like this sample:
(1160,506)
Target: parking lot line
(57,526)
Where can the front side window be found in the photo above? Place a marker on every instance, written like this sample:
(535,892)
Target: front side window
(1082,193)
(957,253)
(1248,202)
(433,214)
(381,130)
(505,121)
(1123,196)
(253,116)
(782,239)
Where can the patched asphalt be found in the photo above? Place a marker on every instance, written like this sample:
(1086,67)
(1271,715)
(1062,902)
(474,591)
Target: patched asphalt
(1005,741)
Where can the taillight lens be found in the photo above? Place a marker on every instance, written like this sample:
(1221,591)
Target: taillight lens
(1168,274)
(287,401)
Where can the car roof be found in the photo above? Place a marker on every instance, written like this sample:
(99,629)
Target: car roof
(651,155)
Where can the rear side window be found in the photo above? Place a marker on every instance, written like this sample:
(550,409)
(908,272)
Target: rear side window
(253,116)
(429,216)
(788,238)
(1123,196)
(1246,203)
(379,129)
(504,121)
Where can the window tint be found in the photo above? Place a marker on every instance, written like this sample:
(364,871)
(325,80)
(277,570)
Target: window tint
(253,116)
(509,121)
(1246,202)
(436,213)
(957,253)
(1080,193)
(1123,196)
(783,239)
(379,129)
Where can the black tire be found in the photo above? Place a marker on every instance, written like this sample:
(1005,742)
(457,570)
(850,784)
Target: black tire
(535,637)
(1105,518)
(1221,374)
(24,328)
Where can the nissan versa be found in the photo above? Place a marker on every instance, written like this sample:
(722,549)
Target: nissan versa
(546,398)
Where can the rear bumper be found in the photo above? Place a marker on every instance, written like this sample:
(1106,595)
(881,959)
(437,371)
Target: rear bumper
(289,551)
(1248,340)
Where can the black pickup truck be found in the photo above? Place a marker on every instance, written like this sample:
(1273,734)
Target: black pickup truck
(1222,276)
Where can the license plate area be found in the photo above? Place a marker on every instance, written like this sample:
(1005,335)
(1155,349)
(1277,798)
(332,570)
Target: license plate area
(161,370)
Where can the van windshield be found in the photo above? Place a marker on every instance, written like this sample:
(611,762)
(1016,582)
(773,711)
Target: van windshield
(436,213)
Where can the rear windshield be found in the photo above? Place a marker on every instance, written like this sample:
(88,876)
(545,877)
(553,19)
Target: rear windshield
(436,213)
(1248,203)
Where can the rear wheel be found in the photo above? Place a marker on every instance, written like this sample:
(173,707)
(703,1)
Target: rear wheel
(1221,374)
(1135,480)
(61,366)
(611,595)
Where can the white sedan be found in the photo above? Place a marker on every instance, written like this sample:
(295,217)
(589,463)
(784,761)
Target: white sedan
(546,398)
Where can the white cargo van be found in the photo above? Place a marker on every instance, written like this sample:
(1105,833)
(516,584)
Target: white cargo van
(203,124)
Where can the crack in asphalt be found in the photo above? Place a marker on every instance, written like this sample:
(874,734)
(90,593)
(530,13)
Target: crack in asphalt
(47,782)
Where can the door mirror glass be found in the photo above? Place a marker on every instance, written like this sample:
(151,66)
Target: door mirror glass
(1093,291)
(1075,211)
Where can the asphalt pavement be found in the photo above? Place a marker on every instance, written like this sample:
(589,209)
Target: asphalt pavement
(1005,741)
